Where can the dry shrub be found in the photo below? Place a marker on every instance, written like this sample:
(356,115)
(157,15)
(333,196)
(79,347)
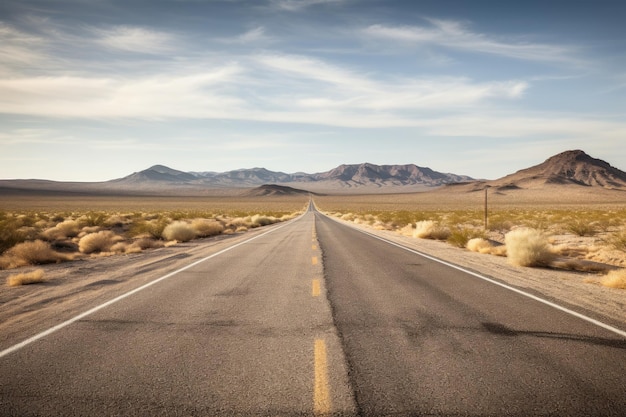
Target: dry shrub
(119,247)
(89,229)
(115,220)
(98,242)
(528,247)
(26,278)
(180,231)
(260,220)
(615,279)
(63,230)
(145,243)
(479,245)
(348,216)
(459,236)
(206,227)
(10,235)
(428,229)
(153,228)
(618,240)
(30,253)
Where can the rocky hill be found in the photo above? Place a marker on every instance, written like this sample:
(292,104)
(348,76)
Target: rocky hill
(571,167)
(274,190)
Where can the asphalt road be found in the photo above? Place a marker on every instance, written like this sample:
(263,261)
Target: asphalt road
(315,318)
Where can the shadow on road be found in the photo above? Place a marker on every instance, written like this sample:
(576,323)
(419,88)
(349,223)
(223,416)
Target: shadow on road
(499,329)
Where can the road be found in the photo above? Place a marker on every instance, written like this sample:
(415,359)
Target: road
(312,317)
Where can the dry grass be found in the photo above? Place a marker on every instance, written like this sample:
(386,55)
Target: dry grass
(74,231)
(30,253)
(528,247)
(101,241)
(428,229)
(180,231)
(479,245)
(207,227)
(26,278)
(615,279)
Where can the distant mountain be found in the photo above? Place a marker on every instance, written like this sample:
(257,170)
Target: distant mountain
(573,167)
(158,173)
(344,176)
(386,175)
(274,190)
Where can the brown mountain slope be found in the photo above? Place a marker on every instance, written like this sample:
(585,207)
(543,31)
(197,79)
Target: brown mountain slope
(274,190)
(570,168)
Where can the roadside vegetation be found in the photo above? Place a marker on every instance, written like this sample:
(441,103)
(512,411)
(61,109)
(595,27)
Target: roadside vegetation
(584,239)
(34,237)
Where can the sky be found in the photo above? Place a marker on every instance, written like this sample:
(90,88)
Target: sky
(93,90)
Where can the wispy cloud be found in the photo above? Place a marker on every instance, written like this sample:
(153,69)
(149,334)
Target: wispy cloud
(336,87)
(135,39)
(17,47)
(252,36)
(456,35)
(295,5)
(159,96)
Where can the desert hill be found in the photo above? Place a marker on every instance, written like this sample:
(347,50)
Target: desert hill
(274,190)
(570,168)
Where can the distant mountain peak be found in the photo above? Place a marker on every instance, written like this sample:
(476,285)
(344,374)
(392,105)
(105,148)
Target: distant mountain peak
(569,167)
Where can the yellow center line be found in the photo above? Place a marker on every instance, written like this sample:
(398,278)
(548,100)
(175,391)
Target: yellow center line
(314,260)
(321,393)
(316,288)
(314,247)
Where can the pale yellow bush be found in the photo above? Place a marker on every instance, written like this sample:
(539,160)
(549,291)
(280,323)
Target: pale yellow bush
(26,278)
(30,253)
(206,227)
(348,216)
(98,242)
(479,245)
(260,220)
(615,279)
(528,247)
(428,229)
(180,231)
(63,230)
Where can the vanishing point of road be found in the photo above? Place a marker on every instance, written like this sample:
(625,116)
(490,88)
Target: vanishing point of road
(313,317)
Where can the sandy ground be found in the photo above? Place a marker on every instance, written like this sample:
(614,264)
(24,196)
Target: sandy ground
(77,286)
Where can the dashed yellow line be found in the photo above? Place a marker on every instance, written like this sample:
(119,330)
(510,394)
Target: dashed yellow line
(316,288)
(314,260)
(314,247)
(321,392)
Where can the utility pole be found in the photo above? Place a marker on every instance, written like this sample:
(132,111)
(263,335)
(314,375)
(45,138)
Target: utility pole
(486,210)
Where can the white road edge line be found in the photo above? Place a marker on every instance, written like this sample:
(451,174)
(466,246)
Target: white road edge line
(128,294)
(492,281)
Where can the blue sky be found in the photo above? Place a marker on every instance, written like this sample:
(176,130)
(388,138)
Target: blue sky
(92,90)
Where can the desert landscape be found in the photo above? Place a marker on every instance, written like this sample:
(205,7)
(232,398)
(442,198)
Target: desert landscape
(567,213)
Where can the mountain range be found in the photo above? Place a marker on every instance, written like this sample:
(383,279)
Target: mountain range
(573,168)
(344,176)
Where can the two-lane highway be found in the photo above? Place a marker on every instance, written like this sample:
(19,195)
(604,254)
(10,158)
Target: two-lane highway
(316,318)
